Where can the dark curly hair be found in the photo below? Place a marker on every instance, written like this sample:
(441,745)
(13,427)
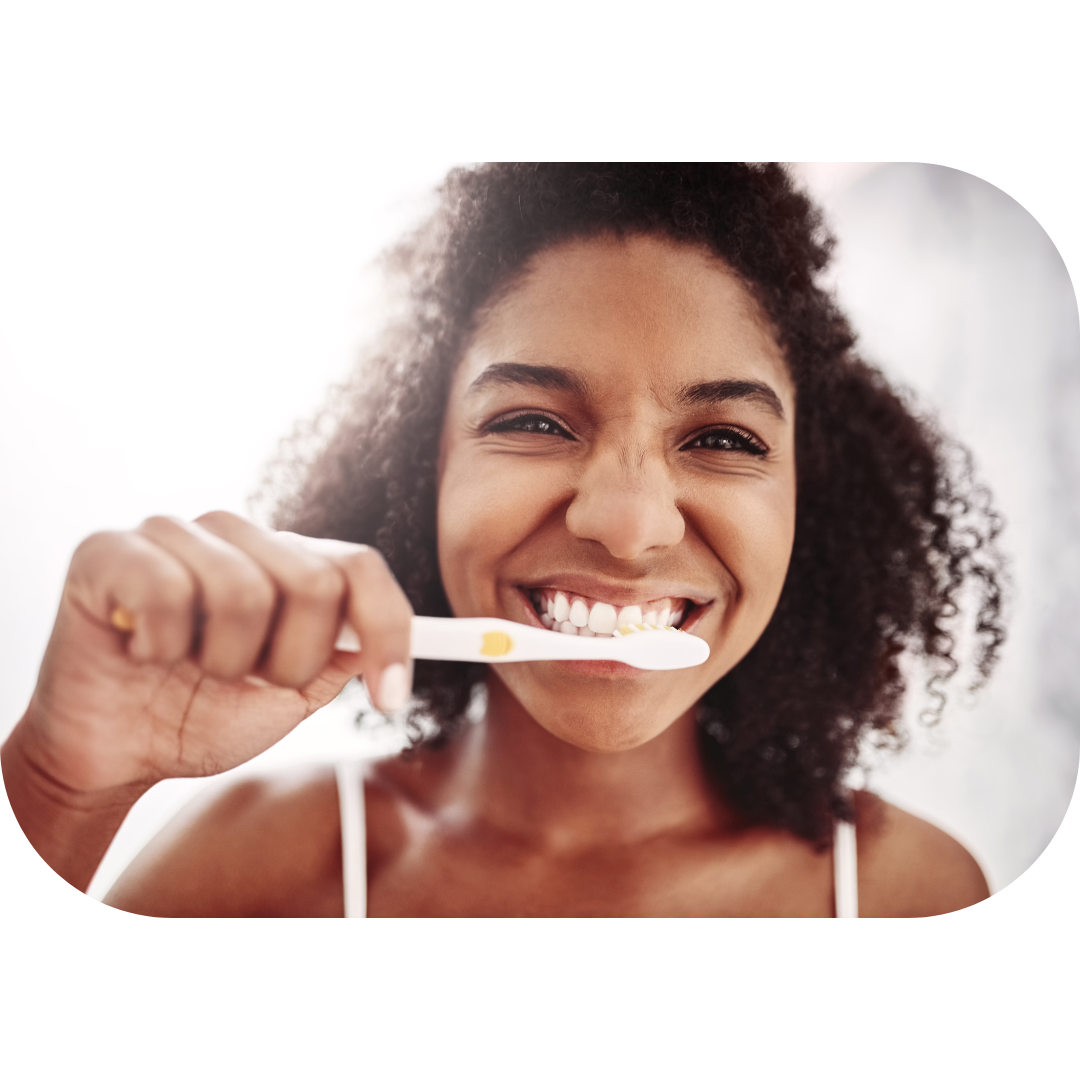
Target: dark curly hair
(892,529)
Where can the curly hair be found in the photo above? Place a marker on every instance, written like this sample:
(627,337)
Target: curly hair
(893,532)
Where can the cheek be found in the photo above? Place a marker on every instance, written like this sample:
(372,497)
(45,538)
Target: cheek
(485,511)
(769,533)
(753,531)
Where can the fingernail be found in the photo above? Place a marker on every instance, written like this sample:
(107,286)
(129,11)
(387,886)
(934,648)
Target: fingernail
(393,688)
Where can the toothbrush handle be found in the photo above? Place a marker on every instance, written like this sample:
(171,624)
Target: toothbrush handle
(483,640)
(442,639)
(458,639)
(496,641)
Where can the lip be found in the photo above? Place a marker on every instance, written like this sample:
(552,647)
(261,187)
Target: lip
(618,594)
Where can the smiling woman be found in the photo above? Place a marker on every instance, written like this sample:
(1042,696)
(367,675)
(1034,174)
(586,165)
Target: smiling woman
(618,396)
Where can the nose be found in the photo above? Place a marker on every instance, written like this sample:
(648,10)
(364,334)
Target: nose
(628,506)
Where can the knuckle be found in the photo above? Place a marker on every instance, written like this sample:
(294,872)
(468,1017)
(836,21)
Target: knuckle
(248,598)
(371,570)
(319,583)
(93,546)
(156,523)
(171,593)
(366,560)
(91,563)
(213,520)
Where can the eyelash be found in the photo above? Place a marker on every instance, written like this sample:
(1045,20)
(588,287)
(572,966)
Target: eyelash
(745,443)
(533,423)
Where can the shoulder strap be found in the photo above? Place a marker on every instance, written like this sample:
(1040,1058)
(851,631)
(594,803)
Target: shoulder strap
(354,850)
(845,871)
(350,784)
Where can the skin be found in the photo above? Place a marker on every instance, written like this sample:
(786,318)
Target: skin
(574,456)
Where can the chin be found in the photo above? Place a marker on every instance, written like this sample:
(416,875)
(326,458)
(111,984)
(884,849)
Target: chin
(603,734)
(602,721)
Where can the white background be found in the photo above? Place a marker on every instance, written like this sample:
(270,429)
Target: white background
(186,203)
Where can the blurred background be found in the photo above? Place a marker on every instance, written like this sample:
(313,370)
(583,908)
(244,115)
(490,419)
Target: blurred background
(958,293)
(166,316)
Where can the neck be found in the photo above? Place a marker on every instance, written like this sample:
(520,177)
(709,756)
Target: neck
(513,775)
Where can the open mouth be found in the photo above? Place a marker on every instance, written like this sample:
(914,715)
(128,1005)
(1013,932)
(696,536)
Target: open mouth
(570,613)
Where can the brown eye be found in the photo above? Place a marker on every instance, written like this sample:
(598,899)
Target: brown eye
(529,424)
(727,440)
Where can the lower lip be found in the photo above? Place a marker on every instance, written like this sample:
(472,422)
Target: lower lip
(598,669)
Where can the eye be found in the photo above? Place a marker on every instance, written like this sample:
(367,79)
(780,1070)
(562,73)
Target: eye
(528,424)
(728,440)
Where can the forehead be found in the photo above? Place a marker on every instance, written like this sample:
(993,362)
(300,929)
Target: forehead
(638,313)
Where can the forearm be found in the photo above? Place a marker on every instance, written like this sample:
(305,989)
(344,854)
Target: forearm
(70,830)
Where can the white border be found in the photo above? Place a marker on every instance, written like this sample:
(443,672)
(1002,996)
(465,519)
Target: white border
(981,88)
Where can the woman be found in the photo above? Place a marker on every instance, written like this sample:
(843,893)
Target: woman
(614,390)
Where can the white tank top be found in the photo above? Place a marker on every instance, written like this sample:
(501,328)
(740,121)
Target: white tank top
(354,850)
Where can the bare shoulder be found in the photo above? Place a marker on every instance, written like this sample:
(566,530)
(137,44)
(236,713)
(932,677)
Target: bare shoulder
(908,867)
(268,846)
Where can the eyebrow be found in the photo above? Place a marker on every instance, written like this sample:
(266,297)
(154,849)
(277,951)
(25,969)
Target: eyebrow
(544,376)
(549,377)
(716,393)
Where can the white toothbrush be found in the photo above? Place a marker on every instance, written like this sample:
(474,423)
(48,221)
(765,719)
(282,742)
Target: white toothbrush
(499,641)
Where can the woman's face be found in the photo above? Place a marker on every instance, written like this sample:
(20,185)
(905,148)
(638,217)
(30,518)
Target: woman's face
(619,435)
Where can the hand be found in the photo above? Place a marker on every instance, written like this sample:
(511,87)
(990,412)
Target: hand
(227,643)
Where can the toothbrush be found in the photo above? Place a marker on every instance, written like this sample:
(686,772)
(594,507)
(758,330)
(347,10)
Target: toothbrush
(499,641)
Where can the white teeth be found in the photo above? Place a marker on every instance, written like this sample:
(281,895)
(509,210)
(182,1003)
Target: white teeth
(602,619)
(571,614)
(579,613)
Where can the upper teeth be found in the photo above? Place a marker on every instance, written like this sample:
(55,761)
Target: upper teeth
(572,614)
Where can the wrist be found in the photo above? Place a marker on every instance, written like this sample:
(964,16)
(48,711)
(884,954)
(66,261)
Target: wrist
(69,828)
